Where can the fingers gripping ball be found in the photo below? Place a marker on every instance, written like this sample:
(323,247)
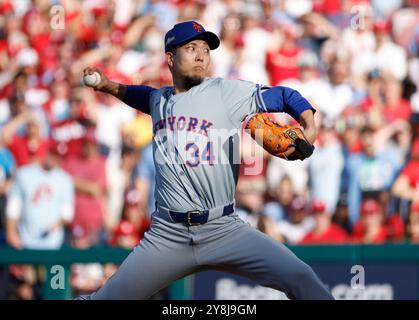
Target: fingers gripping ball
(92,80)
(285,142)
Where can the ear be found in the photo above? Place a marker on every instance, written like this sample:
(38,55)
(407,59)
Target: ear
(169,59)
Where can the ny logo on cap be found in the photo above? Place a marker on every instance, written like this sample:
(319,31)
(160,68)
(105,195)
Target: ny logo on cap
(197,27)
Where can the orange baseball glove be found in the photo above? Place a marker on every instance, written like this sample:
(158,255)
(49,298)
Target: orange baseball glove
(285,142)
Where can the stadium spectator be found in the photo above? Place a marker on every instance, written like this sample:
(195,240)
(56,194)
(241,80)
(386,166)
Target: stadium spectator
(282,57)
(298,224)
(225,58)
(40,204)
(358,41)
(69,130)
(269,226)
(372,103)
(324,231)
(119,180)
(325,167)
(395,139)
(255,41)
(89,176)
(139,132)
(145,181)
(58,105)
(297,171)
(388,56)
(395,227)
(283,195)
(371,173)
(370,228)
(412,227)
(85,277)
(7,168)
(340,89)
(395,107)
(110,118)
(249,199)
(134,222)
(406,185)
(310,82)
(316,30)
(30,145)
(341,215)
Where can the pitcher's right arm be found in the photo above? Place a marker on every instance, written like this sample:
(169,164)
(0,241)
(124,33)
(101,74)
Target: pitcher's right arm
(136,96)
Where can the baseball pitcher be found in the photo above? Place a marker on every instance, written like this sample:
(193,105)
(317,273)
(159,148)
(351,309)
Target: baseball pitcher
(196,126)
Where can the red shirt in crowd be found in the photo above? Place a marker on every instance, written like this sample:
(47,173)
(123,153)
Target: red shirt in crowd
(127,232)
(395,228)
(327,7)
(411,171)
(358,234)
(282,64)
(23,151)
(89,210)
(333,235)
(401,110)
(68,134)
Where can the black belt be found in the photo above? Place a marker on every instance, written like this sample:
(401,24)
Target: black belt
(196,217)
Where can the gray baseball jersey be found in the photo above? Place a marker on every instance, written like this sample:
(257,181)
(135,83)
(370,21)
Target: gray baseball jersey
(196,156)
(196,142)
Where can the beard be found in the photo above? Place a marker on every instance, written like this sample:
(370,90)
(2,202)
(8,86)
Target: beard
(191,81)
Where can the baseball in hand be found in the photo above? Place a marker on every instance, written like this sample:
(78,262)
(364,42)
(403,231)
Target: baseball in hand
(92,80)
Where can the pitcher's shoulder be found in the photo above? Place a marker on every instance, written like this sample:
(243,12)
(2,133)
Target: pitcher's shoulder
(222,83)
(216,81)
(233,82)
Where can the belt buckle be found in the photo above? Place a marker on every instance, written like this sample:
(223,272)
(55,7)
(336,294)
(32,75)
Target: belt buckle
(189,213)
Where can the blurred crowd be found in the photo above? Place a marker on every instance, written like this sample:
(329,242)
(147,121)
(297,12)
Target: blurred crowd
(76,166)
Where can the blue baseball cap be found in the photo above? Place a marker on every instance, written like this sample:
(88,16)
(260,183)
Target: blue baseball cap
(184,32)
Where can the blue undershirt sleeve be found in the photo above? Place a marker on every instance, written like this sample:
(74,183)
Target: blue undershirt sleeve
(138,97)
(284,99)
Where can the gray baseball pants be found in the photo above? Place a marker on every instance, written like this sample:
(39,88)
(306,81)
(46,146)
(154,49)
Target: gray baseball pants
(170,251)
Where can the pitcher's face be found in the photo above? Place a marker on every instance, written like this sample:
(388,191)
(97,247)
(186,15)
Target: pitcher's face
(190,61)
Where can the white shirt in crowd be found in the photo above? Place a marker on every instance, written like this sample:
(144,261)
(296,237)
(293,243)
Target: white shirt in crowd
(294,233)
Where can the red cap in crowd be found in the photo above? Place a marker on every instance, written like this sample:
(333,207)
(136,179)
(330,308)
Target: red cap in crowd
(125,229)
(6,7)
(382,26)
(318,206)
